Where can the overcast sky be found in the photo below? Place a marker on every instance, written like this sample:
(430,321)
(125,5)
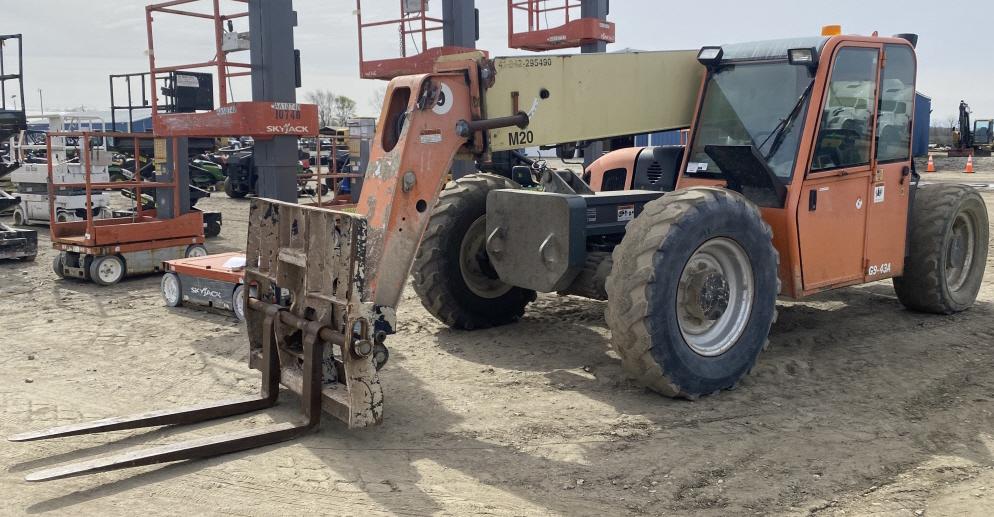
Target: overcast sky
(71,46)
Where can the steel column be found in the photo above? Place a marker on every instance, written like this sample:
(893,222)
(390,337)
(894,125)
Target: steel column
(594,9)
(460,26)
(177,172)
(271,24)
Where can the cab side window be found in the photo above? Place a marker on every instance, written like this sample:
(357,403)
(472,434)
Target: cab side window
(897,98)
(844,136)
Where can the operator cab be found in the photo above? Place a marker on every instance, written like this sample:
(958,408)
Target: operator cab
(983,132)
(817,133)
(752,114)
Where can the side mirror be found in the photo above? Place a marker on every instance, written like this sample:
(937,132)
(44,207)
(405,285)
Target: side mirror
(566,151)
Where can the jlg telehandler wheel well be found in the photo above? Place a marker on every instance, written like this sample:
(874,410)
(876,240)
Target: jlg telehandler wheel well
(452,275)
(693,292)
(948,236)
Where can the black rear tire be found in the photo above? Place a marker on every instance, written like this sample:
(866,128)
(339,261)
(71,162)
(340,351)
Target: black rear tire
(231,191)
(483,301)
(662,275)
(57,263)
(945,267)
(19,218)
(212,229)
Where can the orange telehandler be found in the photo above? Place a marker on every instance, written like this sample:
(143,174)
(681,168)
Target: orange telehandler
(797,178)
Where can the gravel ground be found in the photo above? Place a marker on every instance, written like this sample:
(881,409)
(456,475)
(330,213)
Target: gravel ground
(859,407)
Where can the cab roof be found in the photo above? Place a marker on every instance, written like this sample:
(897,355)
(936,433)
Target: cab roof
(768,50)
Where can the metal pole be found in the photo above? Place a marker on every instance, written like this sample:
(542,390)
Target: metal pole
(459,29)
(222,68)
(3,72)
(41,100)
(20,68)
(113,106)
(271,24)
(594,9)
(459,23)
(87,170)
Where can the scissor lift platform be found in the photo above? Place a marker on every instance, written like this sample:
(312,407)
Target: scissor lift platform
(214,282)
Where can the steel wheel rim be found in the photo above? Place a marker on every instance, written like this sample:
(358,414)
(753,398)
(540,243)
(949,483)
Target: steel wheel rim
(476,270)
(960,251)
(110,270)
(197,252)
(714,297)
(170,288)
(239,305)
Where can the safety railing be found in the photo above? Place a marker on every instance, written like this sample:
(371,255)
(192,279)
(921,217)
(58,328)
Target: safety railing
(220,60)
(414,26)
(553,25)
(86,232)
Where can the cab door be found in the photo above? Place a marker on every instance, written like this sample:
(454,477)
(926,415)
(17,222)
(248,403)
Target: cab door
(890,186)
(832,213)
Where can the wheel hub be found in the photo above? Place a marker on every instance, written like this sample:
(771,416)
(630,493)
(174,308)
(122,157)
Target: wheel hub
(714,298)
(959,253)
(109,270)
(707,289)
(474,263)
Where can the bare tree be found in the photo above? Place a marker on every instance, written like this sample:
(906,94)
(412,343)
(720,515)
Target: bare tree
(952,122)
(376,101)
(344,110)
(325,101)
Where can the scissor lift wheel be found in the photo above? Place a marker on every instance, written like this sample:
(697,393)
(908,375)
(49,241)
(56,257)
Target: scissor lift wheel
(172,291)
(195,250)
(107,270)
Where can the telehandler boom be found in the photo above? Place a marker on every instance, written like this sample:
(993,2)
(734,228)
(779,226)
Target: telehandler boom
(797,178)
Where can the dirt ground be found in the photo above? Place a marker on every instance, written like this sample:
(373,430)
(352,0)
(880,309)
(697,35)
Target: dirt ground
(859,407)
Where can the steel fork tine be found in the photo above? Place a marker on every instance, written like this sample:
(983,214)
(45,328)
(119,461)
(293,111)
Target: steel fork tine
(190,449)
(211,445)
(182,415)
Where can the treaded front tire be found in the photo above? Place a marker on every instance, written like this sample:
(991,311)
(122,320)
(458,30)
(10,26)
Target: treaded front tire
(439,274)
(647,292)
(931,281)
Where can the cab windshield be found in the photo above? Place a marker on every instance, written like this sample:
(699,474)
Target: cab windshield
(758,104)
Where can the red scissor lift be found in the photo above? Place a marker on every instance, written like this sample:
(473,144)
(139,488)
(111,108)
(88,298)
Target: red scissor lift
(574,31)
(106,250)
(416,57)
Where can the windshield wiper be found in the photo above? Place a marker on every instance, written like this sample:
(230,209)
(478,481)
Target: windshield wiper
(779,132)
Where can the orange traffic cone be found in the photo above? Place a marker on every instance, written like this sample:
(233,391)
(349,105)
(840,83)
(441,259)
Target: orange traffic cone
(969,165)
(931,164)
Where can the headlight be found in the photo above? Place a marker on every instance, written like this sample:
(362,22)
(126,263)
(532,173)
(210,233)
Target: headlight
(710,56)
